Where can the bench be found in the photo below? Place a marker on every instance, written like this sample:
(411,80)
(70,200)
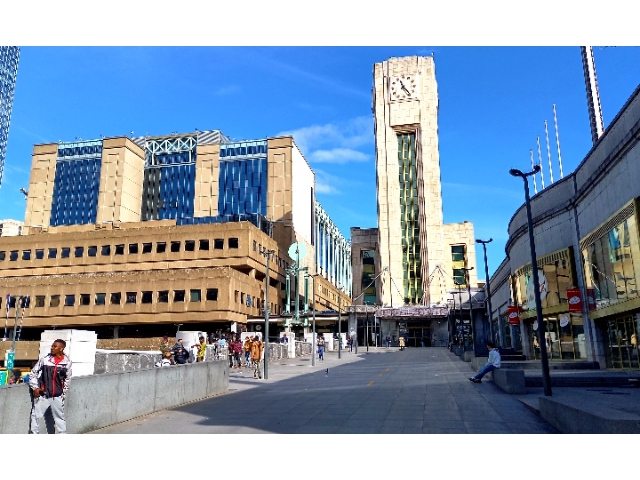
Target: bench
(509,380)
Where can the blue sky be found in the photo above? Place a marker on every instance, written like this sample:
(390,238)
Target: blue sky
(493,104)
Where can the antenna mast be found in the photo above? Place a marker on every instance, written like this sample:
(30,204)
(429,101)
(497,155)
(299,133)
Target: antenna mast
(555,121)
(546,134)
(593,96)
(540,163)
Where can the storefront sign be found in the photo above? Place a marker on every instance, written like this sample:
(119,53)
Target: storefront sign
(413,312)
(514,318)
(575,300)
(564,321)
(591,298)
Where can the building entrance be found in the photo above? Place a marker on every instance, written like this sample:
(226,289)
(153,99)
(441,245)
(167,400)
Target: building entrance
(622,339)
(417,334)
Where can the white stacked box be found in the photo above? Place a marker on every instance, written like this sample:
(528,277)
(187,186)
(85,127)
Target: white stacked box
(81,348)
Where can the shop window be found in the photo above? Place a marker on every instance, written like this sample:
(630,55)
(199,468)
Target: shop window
(54,301)
(218,243)
(2,256)
(85,299)
(53,253)
(133,248)
(163,296)
(26,255)
(161,247)
(116,298)
(178,296)
(147,247)
(13,256)
(79,252)
(233,243)
(195,295)
(100,298)
(189,245)
(39,301)
(132,297)
(120,249)
(92,251)
(204,244)
(147,297)
(212,294)
(175,246)
(105,250)
(69,300)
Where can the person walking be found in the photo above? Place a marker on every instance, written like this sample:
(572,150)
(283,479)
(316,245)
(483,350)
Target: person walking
(257,348)
(202,350)
(247,351)
(388,341)
(493,363)
(401,342)
(321,348)
(49,381)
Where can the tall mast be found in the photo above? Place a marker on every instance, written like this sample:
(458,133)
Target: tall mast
(593,96)
(555,121)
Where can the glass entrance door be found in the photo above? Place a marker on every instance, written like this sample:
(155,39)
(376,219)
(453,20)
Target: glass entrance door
(418,336)
(622,336)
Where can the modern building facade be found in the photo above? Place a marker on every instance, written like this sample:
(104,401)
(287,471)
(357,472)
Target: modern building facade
(9,57)
(133,236)
(587,241)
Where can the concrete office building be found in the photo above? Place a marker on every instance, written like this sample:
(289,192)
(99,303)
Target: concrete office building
(9,57)
(418,258)
(130,237)
(587,242)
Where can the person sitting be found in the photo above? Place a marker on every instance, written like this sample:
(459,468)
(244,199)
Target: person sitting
(492,363)
(166,360)
(16,377)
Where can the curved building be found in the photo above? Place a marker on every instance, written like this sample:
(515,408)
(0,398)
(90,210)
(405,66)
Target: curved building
(587,243)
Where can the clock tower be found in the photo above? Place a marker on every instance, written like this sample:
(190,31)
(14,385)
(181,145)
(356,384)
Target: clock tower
(413,244)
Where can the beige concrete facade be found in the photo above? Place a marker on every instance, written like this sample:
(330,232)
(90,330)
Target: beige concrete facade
(207,176)
(121,176)
(43,172)
(405,101)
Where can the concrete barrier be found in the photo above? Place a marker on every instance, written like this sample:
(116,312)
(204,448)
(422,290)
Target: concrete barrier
(511,381)
(96,401)
(468,355)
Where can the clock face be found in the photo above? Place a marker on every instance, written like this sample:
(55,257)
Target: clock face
(403,87)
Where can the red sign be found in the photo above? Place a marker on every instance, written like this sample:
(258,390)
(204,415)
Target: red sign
(514,318)
(591,298)
(575,300)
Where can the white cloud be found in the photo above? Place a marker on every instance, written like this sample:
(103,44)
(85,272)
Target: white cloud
(327,183)
(335,143)
(338,155)
(226,90)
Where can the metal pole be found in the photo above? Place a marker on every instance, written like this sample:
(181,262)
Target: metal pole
(339,324)
(486,273)
(546,379)
(313,345)
(267,254)
(473,327)
(366,330)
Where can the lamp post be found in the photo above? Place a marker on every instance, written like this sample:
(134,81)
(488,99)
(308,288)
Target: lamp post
(267,254)
(339,321)
(313,303)
(546,379)
(486,274)
(473,327)
(366,328)
(11,353)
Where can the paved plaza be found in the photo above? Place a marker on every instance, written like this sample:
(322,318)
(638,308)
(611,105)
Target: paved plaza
(419,390)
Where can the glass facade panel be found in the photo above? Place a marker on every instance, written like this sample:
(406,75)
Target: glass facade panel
(611,264)
(76,183)
(410,232)
(242,182)
(9,57)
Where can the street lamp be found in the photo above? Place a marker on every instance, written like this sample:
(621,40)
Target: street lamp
(486,274)
(546,379)
(313,303)
(267,254)
(339,321)
(473,328)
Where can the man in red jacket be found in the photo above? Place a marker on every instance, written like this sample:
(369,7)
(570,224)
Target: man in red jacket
(49,381)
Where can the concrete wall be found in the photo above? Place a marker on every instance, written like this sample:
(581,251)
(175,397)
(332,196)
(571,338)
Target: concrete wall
(96,401)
